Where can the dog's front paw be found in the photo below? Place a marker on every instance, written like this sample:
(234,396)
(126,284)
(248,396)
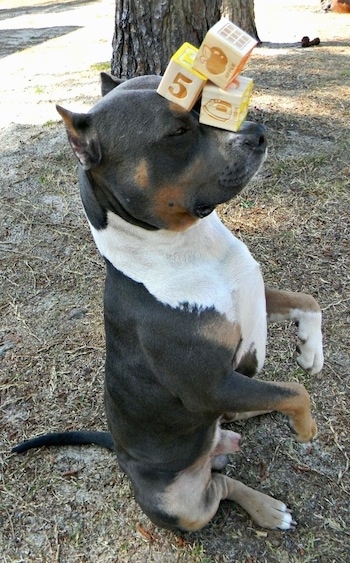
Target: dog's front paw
(305,428)
(297,408)
(310,341)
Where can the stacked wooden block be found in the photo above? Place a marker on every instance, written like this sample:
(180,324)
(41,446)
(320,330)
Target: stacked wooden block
(212,71)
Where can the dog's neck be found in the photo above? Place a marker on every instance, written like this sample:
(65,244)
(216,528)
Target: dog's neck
(97,203)
(207,239)
(155,258)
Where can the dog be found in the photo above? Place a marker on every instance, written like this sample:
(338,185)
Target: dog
(185,305)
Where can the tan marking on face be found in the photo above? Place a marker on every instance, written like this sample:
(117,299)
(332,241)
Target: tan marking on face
(141,176)
(170,201)
(193,172)
(169,208)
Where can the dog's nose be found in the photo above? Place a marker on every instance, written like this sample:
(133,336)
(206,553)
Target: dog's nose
(254,135)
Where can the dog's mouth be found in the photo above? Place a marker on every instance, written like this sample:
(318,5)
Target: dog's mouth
(228,187)
(203,210)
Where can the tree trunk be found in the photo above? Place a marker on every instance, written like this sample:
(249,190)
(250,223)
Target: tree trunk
(148,33)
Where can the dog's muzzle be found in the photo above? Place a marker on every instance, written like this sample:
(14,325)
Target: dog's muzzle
(203,210)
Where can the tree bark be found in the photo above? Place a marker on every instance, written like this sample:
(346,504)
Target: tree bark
(148,33)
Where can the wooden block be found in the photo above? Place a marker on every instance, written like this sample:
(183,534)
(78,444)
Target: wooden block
(224,52)
(182,84)
(228,108)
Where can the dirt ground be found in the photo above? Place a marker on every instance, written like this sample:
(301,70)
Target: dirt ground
(74,505)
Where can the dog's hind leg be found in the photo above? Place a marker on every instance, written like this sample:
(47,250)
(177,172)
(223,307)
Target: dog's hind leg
(228,443)
(263,509)
(196,501)
(221,458)
(194,496)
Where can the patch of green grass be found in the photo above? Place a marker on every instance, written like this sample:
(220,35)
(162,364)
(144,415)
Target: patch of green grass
(39,90)
(247,203)
(101,66)
(58,157)
(198,553)
(43,180)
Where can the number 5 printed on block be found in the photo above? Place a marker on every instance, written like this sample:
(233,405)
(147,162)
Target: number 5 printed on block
(180,90)
(180,83)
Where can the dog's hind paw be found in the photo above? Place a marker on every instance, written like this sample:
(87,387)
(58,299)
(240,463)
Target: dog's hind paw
(310,342)
(270,513)
(275,514)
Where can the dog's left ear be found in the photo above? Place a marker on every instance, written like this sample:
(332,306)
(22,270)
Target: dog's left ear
(108,83)
(81,137)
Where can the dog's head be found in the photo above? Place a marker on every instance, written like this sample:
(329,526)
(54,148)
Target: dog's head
(152,162)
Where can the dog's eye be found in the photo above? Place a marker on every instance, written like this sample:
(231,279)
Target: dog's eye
(179,131)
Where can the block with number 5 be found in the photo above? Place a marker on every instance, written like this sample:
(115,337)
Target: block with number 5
(182,84)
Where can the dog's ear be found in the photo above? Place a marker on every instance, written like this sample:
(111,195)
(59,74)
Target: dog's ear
(108,83)
(81,137)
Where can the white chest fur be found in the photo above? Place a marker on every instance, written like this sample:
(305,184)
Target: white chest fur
(202,267)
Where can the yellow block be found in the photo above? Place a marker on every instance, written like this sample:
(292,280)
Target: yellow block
(181,83)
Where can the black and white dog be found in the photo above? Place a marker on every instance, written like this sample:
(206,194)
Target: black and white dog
(185,304)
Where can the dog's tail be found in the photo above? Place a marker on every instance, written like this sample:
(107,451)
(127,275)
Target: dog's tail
(103,439)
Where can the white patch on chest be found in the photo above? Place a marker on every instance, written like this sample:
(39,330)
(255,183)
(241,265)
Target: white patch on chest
(202,267)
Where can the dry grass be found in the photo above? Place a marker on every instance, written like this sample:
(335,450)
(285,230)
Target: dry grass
(71,505)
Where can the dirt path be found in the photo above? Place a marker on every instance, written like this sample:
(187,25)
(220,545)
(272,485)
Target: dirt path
(48,53)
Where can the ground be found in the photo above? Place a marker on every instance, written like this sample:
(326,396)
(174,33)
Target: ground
(70,505)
